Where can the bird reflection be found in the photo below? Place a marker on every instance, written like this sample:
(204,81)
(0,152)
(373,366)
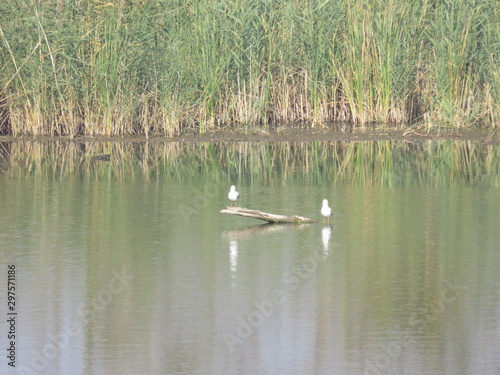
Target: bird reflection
(233,257)
(326,233)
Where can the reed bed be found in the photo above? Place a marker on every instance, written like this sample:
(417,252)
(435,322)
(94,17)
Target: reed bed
(164,67)
(366,163)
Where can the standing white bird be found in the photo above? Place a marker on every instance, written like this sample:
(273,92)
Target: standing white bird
(233,195)
(326,211)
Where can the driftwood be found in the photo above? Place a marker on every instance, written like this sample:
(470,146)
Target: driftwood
(271,218)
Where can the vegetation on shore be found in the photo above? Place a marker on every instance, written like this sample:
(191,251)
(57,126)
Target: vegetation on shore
(164,66)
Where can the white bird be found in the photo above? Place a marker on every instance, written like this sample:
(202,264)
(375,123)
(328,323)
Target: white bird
(233,195)
(326,211)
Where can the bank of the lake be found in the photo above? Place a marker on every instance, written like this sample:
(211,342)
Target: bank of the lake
(292,134)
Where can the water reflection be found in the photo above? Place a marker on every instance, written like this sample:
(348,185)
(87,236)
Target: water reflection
(368,163)
(259,229)
(233,257)
(326,233)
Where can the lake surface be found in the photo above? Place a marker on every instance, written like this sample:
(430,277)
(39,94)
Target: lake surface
(126,266)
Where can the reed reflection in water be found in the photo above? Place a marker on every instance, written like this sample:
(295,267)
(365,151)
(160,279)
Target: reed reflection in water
(366,163)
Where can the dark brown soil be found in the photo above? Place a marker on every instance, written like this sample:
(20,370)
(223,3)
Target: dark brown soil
(297,134)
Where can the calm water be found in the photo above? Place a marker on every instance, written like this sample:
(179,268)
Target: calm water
(126,266)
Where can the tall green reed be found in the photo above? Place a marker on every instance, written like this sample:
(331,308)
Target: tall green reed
(165,66)
(459,57)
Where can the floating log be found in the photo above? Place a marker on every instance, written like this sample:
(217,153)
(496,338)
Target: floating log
(271,218)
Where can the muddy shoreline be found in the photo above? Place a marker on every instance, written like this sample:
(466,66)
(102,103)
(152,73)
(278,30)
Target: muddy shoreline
(291,135)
